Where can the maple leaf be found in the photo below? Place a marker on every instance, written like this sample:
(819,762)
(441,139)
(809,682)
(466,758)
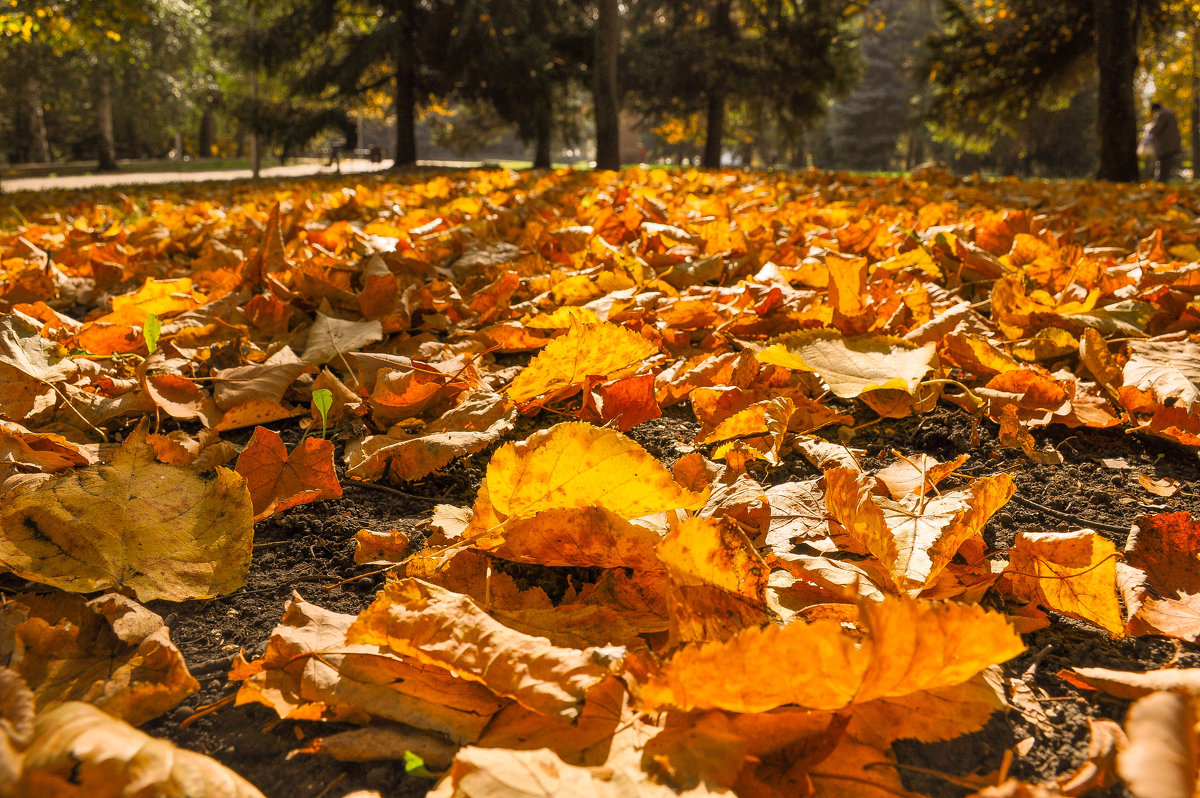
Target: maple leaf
(159,530)
(852,366)
(587,350)
(278,479)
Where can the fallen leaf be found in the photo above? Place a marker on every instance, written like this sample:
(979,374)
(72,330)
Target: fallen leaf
(1159,487)
(331,338)
(78,750)
(278,479)
(1164,547)
(914,538)
(578,465)
(601,350)
(159,530)
(1074,573)
(437,627)
(851,366)
(310,672)
(110,652)
(1160,759)
(903,646)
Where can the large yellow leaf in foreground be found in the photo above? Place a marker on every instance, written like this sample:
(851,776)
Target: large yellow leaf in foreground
(162,531)
(578,465)
(587,350)
(449,630)
(80,752)
(904,645)
(852,366)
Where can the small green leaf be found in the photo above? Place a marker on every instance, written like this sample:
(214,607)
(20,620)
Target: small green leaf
(150,331)
(322,399)
(415,766)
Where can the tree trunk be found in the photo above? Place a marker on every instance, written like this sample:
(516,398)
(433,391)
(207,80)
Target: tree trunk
(406,111)
(541,152)
(206,136)
(1196,103)
(714,131)
(39,146)
(1116,61)
(106,151)
(605,95)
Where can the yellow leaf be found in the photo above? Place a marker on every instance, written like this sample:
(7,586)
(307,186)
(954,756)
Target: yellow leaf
(916,537)
(717,580)
(78,751)
(587,350)
(1072,572)
(575,536)
(160,530)
(577,465)
(903,646)
(851,366)
(438,627)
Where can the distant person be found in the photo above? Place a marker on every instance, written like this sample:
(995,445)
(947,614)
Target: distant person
(1162,142)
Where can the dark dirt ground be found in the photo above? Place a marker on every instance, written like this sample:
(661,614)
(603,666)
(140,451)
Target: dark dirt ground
(310,548)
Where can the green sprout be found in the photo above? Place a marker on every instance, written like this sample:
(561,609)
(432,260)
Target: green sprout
(415,766)
(322,399)
(150,331)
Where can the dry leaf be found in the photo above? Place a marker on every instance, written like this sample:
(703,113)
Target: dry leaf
(916,537)
(278,479)
(1160,759)
(587,350)
(435,626)
(903,646)
(160,530)
(1072,572)
(110,652)
(851,366)
(79,751)
(310,672)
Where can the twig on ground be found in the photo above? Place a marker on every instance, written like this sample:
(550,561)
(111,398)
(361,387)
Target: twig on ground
(386,489)
(1074,519)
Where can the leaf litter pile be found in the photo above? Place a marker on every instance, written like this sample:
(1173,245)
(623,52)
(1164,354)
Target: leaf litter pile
(650,483)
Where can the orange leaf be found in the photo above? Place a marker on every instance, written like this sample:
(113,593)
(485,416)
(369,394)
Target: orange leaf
(278,480)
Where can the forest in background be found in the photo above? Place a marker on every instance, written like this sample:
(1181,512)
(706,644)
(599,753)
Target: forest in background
(994,86)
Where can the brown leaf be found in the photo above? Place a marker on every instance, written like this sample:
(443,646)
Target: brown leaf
(437,627)
(78,750)
(159,530)
(1160,760)
(278,479)
(111,652)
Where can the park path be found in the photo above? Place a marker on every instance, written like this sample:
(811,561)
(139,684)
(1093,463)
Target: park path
(151,178)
